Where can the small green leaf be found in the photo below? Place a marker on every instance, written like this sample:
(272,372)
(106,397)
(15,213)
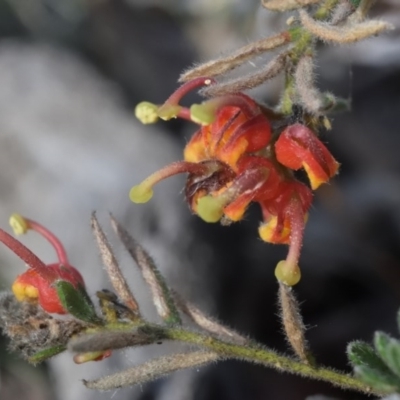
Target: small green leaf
(381,340)
(46,354)
(361,353)
(371,368)
(76,301)
(389,350)
(383,382)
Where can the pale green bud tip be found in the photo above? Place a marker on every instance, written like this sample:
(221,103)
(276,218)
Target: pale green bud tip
(167,111)
(202,113)
(209,209)
(146,113)
(286,274)
(18,224)
(140,194)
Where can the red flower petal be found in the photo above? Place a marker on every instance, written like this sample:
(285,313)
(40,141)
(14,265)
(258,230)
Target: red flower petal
(298,147)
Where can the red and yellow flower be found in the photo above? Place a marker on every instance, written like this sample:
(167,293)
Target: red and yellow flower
(37,284)
(233,160)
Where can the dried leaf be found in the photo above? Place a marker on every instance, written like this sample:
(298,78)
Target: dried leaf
(225,64)
(269,71)
(114,272)
(343,34)
(309,95)
(152,370)
(207,323)
(293,323)
(162,297)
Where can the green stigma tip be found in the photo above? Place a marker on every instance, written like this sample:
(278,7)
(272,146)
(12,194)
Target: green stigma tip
(202,114)
(288,276)
(146,112)
(18,224)
(209,209)
(139,194)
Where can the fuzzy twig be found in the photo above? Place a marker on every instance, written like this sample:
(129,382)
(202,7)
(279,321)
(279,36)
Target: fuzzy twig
(249,352)
(267,357)
(153,369)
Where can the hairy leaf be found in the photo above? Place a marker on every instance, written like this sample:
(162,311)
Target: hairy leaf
(371,368)
(76,302)
(46,354)
(389,350)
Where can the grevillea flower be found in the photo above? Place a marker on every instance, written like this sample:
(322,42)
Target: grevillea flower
(232,161)
(37,283)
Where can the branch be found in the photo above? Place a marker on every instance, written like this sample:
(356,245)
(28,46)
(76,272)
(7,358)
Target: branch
(152,370)
(253,352)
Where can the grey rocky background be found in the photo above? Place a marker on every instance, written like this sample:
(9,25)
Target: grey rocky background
(70,74)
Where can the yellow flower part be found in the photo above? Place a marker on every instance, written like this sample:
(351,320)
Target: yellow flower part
(315,180)
(287,274)
(210,209)
(268,231)
(146,112)
(25,292)
(18,224)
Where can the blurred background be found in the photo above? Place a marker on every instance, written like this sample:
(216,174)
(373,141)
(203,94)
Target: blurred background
(70,75)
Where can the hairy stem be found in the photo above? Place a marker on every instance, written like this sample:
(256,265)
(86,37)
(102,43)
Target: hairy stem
(262,355)
(251,352)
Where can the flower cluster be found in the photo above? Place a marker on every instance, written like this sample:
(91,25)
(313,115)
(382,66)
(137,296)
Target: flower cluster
(235,159)
(54,287)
